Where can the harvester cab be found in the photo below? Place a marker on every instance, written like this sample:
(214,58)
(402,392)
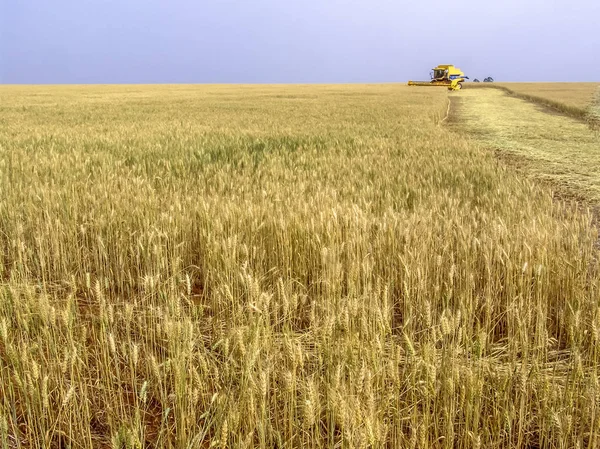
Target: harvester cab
(444,75)
(439,74)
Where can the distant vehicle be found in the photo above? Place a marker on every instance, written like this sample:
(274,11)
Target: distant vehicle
(489,79)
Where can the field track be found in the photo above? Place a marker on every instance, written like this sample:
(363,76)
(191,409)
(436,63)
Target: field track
(549,145)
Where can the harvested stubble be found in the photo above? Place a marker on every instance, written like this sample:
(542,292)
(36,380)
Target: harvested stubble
(287,266)
(573,99)
(595,107)
(551,147)
(576,95)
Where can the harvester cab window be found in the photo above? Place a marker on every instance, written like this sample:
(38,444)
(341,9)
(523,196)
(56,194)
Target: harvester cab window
(438,74)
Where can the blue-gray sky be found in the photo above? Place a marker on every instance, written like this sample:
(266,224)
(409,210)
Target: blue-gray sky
(295,41)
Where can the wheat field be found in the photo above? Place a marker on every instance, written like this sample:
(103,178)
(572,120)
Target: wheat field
(283,266)
(552,148)
(578,95)
(573,99)
(595,106)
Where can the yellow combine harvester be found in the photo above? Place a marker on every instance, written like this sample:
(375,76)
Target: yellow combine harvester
(444,75)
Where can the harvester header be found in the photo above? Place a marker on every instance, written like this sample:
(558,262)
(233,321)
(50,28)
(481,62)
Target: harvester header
(444,75)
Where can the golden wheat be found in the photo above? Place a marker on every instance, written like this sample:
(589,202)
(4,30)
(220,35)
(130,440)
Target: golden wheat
(283,266)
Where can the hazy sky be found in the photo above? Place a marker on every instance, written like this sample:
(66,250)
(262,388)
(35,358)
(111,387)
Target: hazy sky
(295,41)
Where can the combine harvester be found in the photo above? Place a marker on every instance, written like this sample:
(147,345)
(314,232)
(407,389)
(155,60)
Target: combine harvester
(444,75)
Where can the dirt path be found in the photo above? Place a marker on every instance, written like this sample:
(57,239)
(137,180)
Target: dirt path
(548,145)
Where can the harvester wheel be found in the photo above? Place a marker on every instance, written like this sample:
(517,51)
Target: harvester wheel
(459,86)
